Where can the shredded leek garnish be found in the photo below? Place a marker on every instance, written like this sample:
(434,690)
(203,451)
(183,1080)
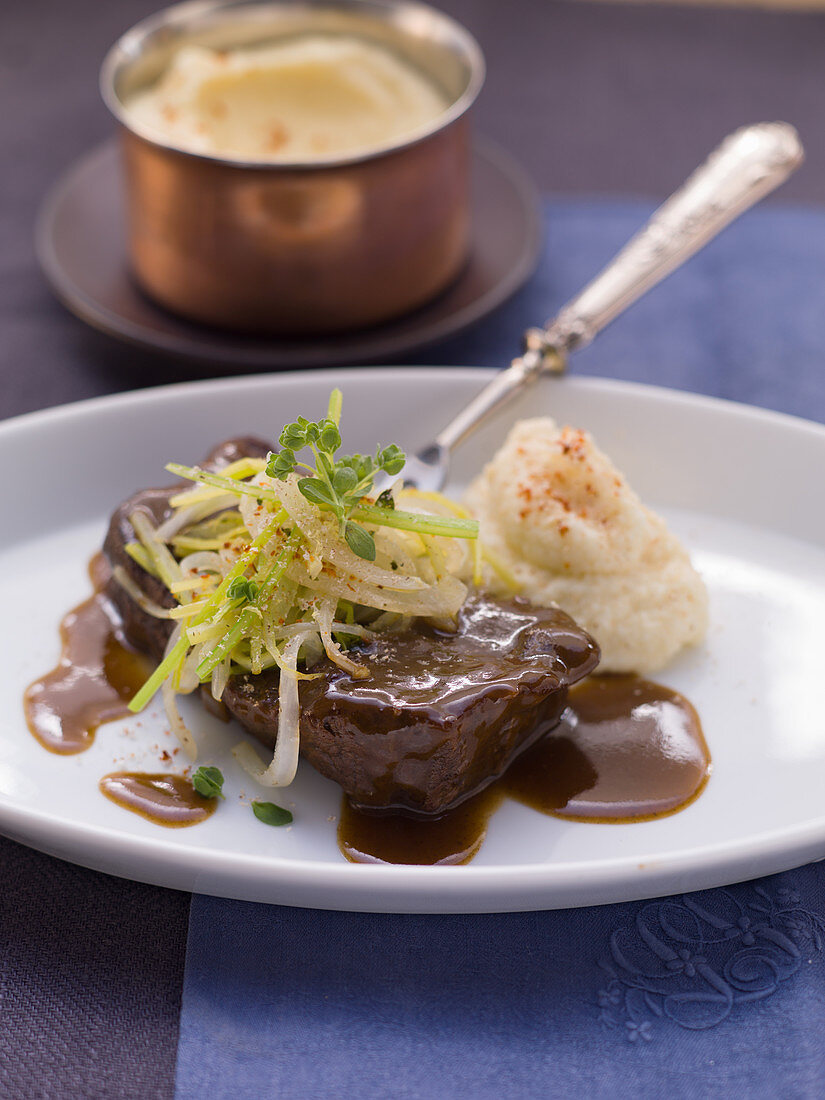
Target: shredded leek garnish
(275,563)
(240,488)
(415,521)
(137,553)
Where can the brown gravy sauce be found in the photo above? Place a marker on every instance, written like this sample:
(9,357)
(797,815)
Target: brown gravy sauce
(626,750)
(95,678)
(168,800)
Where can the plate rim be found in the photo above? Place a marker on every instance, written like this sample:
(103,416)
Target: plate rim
(251,380)
(514,887)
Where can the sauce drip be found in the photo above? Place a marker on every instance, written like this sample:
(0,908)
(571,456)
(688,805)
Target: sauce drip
(451,839)
(168,800)
(626,750)
(95,678)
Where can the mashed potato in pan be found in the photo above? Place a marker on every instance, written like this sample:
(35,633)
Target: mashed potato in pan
(301,99)
(558,514)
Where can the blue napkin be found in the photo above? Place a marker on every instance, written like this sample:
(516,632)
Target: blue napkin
(699,995)
(687,996)
(744,319)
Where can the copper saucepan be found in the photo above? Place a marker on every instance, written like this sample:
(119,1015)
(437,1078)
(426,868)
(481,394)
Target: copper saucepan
(298,248)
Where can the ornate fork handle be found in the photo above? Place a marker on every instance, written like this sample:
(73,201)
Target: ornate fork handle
(743,169)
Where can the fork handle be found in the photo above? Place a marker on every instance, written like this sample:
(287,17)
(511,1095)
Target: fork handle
(748,165)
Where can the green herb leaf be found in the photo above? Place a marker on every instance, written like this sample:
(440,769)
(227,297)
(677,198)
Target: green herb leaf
(282,464)
(339,484)
(292,437)
(360,541)
(243,589)
(391,459)
(208,782)
(271,814)
(361,464)
(385,500)
(329,438)
(344,479)
(325,466)
(318,492)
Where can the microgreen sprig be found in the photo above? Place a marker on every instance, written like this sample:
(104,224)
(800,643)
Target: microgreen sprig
(208,782)
(243,589)
(335,485)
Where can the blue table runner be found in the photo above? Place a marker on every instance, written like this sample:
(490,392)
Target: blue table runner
(700,995)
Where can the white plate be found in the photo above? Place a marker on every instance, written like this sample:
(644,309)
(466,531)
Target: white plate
(743,489)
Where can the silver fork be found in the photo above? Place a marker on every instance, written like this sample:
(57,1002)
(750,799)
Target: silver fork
(748,165)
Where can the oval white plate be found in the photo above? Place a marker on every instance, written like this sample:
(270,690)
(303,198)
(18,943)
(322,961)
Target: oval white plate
(743,489)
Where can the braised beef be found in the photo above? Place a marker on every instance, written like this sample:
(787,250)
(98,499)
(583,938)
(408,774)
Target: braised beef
(442,714)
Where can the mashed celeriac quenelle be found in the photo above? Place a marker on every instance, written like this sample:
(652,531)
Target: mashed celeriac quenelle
(303,99)
(560,517)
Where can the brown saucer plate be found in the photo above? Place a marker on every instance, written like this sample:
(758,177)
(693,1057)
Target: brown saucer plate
(81,246)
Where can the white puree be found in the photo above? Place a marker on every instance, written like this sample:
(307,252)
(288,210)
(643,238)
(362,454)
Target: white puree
(308,98)
(563,520)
